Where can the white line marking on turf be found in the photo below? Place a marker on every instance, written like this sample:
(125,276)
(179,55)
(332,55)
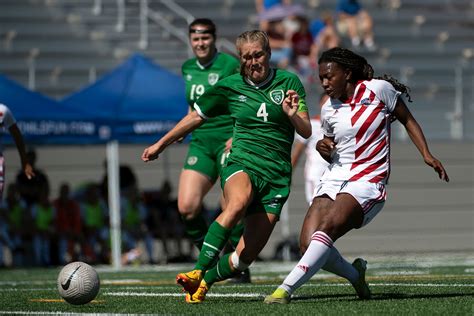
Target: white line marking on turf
(181,294)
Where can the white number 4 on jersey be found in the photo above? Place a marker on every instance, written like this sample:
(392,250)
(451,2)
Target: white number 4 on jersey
(262,112)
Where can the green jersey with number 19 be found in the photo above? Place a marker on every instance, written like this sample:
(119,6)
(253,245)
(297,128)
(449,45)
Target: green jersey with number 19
(200,78)
(263,134)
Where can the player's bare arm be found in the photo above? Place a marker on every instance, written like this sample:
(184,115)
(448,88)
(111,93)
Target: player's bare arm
(20,145)
(300,120)
(296,152)
(403,114)
(188,124)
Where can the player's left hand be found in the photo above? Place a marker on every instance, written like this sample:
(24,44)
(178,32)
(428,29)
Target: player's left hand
(438,167)
(290,103)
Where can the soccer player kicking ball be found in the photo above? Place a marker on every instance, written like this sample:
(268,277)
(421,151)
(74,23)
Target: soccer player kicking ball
(356,126)
(267,106)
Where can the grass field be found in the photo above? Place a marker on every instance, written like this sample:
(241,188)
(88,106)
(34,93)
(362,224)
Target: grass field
(401,285)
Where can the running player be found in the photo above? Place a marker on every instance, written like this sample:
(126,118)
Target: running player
(207,150)
(8,122)
(267,105)
(356,125)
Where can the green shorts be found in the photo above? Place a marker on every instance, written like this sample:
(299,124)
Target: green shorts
(206,158)
(269,197)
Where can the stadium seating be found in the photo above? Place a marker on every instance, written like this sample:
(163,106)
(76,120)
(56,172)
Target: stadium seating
(422,43)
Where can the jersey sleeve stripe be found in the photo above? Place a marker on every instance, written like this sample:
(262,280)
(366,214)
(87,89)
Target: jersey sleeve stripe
(199,112)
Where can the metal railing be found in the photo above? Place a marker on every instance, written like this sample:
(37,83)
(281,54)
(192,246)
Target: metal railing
(147,13)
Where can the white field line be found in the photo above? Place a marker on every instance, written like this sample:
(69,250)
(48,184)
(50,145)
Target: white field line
(268,285)
(181,294)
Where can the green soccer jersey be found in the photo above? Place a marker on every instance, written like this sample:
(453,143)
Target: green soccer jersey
(263,133)
(200,78)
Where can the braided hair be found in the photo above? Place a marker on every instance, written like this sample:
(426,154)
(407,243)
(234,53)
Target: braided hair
(360,68)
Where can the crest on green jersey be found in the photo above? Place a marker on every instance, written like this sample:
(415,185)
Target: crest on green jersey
(277,96)
(192,160)
(212,78)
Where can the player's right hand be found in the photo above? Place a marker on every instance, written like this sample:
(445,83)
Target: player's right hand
(325,147)
(150,153)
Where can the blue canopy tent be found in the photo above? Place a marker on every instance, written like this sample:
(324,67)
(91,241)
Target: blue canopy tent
(45,121)
(140,101)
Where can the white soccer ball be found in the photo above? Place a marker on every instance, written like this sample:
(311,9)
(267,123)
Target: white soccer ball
(78,283)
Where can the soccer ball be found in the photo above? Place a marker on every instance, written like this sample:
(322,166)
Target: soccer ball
(78,283)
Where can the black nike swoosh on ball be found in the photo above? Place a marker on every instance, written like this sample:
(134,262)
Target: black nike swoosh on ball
(65,286)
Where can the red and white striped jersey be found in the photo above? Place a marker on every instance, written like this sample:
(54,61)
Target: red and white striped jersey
(6,117)
(361,130)
(6,120)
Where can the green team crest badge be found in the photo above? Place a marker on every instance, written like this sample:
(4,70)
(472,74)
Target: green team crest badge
(277,96)
(212,78)
(192,160)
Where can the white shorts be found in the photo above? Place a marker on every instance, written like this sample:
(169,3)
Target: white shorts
(371,196)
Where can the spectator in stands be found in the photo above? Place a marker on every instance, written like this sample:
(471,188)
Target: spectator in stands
(31,188)
(68,226)
(7,121)
(301,43)
(134,214)
(20,225)
(356,22)
(95,221)
(166,224)
(128,181)
(43,216)
(280,44)
(264,5)
(324,36)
